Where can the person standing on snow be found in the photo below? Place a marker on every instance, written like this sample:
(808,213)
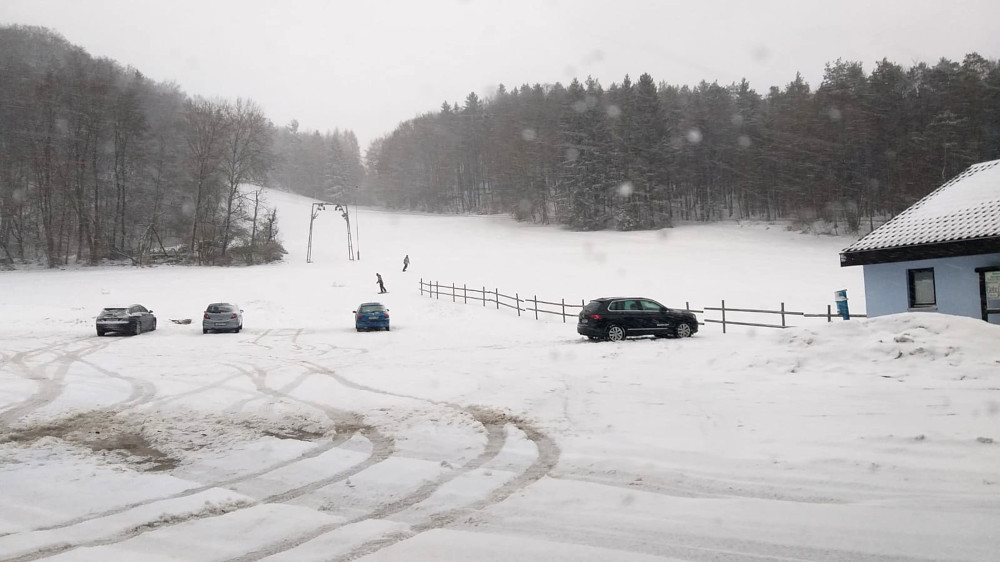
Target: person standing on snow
(406,262)
(381,285)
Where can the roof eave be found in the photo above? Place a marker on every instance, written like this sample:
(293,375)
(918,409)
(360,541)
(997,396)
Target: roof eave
(954,248)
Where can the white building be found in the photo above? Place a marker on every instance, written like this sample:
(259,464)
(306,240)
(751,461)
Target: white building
(941,255)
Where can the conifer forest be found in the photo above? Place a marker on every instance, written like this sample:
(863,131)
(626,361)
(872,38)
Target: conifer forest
(99,162)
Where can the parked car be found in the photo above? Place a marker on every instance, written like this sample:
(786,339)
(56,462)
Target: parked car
(133,320)
(371,316)
(616,318)
(222,317)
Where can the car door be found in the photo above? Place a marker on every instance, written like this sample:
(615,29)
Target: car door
(640,320)
(616,315)
(655,317)
(143,318)
(629,316)
(134,317)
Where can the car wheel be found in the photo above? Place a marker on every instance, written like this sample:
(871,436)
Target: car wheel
(100,332)
(358,329)
(683,330)
(154,324)
(204,330)
(615,333)
(386,328)
(137,329)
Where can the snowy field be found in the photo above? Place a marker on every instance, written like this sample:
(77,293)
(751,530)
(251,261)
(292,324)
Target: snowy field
(467,433)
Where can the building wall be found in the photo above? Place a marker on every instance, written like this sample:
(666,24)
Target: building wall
(956,285)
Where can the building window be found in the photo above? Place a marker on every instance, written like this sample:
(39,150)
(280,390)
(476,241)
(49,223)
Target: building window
(921,282)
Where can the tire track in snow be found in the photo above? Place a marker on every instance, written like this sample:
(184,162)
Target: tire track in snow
(49,387)
(347,425)
(382,446)
(143,392)
(548,457)
(307,348)
(494,423)
(336,441)
(496,438)
(212,511)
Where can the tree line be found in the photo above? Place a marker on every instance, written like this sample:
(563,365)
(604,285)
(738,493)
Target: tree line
(99,162)
(860,147)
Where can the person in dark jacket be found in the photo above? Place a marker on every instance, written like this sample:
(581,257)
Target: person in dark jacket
(381,285)
(406,262)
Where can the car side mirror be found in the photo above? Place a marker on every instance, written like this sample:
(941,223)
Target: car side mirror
(354,311)
(150,311)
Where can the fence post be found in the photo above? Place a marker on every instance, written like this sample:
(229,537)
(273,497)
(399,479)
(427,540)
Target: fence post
(465,294)
(563,309)
(829,315)
(536,307)
(687,306)
(517,301)
(421,286)
(438,283)
(496,296)
(452,292)
(484,296)
(723,316)
(782,315)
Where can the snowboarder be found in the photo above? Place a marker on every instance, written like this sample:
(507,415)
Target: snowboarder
(406,262)
(381,285)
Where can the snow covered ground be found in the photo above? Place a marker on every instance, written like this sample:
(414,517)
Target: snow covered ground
(467,433)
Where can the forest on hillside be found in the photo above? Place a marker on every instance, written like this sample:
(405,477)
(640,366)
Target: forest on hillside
(98,162)
(857,149)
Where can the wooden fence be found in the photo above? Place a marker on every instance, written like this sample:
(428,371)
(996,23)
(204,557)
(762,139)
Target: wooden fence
(534,306)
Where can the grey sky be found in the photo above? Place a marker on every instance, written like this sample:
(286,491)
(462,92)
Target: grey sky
(368,65)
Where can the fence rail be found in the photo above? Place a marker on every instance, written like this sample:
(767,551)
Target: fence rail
(571,310)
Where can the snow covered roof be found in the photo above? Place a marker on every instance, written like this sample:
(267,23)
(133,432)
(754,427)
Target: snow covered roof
(962,217)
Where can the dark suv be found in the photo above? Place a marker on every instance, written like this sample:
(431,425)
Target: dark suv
(617,318)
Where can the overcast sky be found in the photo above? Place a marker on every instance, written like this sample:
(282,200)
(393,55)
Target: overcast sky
(367,65)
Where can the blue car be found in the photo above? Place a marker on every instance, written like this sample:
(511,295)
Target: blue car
(371,316)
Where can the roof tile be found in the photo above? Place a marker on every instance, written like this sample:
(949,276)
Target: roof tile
(966,207)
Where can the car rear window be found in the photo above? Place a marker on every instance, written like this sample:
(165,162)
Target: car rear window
(592,307)
(372,308)
(112,310)
(217,308)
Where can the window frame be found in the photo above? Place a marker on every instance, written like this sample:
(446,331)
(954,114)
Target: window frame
(655,306)
(911,296)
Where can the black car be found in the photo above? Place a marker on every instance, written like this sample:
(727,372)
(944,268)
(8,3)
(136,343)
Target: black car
(617,318)
(133,320)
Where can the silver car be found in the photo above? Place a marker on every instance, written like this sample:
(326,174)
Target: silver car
(222,317)
(133,320)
